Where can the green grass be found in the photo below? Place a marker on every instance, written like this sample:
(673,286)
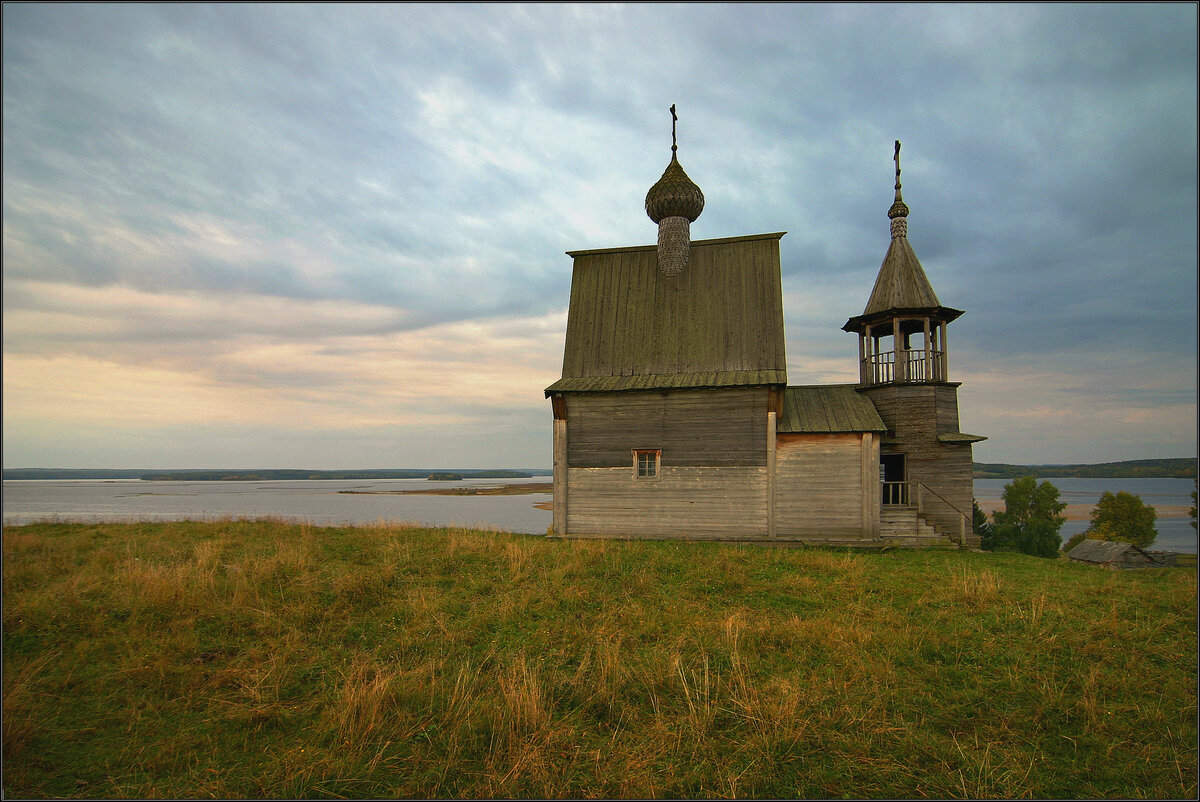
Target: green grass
(266,659)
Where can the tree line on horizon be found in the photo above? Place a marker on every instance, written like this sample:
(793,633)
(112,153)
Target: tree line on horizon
(1176,468)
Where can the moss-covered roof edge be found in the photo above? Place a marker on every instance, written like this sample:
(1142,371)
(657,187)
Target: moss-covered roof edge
(695,244)
(668,381)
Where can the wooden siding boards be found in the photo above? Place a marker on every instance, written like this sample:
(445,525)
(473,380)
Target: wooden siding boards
(559,520)
(683,502)
(819,486)
(722,314)
(945,399)
(717,427)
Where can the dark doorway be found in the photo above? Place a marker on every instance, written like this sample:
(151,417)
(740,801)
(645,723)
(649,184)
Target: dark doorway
(893,480)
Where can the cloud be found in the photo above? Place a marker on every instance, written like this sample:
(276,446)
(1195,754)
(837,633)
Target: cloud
(353,361)
(304,209)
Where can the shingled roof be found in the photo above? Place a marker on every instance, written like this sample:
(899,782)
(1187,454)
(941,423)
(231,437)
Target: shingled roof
(828,408)
(901,282)
(1108,552)
(718,323)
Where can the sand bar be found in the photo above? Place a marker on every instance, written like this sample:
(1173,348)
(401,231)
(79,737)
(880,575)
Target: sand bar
(1083,512)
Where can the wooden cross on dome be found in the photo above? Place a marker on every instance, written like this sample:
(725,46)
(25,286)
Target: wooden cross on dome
(896,157)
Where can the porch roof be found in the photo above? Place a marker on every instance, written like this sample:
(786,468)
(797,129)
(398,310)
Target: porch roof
(827,408)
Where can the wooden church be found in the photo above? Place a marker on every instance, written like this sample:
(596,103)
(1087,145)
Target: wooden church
(674,419)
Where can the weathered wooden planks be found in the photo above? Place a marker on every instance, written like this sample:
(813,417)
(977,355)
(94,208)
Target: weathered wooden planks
(724,312)
(915,415)
(559,520)
(694,428)
(683,502)
(819,486)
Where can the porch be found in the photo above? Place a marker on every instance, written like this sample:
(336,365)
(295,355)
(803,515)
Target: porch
(903,514)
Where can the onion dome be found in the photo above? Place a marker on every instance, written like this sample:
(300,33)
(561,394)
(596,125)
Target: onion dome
(675,195)
(674,203)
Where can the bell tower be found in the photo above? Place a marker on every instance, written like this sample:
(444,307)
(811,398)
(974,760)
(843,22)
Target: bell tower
(925,461)
(902,332)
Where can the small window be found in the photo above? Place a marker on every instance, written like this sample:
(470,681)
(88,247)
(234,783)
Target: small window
(645,463)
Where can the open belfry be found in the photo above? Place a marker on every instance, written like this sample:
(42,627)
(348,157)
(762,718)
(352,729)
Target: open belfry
(673,417)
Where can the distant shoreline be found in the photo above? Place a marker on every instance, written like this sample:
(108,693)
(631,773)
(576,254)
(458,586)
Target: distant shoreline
(497,490)
(1173,468)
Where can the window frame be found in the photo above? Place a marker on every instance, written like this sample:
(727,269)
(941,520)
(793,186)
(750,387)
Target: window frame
(638,453)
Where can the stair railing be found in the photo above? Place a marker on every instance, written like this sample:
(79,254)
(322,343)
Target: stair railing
(963,518)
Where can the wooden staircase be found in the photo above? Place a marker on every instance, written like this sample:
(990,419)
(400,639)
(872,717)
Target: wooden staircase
(904,526)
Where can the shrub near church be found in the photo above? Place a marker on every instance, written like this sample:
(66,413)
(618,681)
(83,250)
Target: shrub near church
(1030,521)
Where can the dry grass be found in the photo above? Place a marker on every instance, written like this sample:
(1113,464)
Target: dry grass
(247,659)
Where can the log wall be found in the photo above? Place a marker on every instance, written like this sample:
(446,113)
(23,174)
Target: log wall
(694,428)
(713,476)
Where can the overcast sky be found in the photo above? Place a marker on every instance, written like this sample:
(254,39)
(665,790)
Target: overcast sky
(332,236)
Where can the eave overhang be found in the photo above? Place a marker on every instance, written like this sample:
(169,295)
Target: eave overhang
(959,437)
(859,323)
(669,381)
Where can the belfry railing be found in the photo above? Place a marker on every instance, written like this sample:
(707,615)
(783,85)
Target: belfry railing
(913,366)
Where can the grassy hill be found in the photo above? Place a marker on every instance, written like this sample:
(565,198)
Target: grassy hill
(1183,468)
(250,659)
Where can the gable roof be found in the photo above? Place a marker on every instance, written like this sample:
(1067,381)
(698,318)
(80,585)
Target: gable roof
(718,323)
(1103,551)
(827,408)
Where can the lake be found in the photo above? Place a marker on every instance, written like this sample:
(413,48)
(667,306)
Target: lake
(320,502)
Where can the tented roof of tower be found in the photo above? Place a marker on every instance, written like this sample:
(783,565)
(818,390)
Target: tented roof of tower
(901,283)
(718,323)
(901,286)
